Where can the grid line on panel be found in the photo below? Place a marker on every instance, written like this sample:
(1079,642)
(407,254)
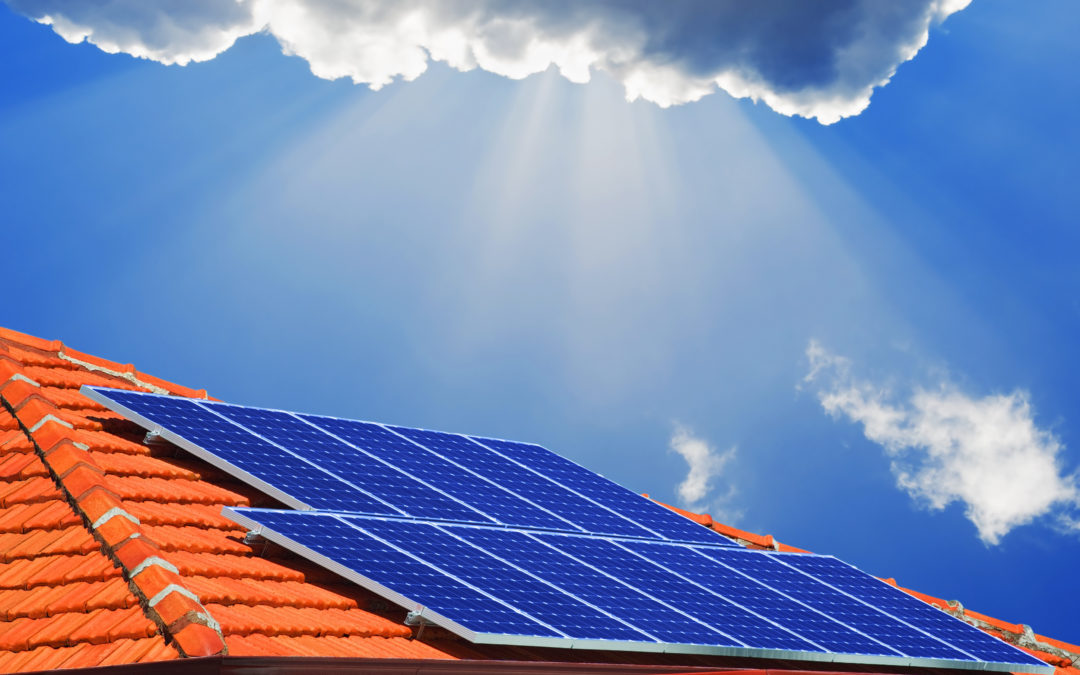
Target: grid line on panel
(553,521)
(575,549)
(489,499)
(891,615)
(503,618)
(641,511)
(595,587)
(561,590)
(858,617)
(234,449)
(571,615)
(792,616)
(585,514)
(788,639)
(491,444)
(408,494)
(212,408)
(958,634)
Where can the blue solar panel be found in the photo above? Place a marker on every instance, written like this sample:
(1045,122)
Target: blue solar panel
(780,616)
(359,468)
(550,605)
(850,580)
(221,438)
(501,505)
(594,587)
(868,621)
(395,570)
(579,512)
(663,582)
(335,464)
(595,487)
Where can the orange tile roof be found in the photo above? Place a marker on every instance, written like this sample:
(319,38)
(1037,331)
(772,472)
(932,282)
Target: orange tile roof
(113,551)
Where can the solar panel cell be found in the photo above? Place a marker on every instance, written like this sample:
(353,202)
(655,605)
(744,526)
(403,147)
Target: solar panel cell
(593,587)
(911,610)
(498,504)
(418,581)
(355,466)
(859,616)
(680,593)
(492,496)
(240,448)
(530,595)
(600,490)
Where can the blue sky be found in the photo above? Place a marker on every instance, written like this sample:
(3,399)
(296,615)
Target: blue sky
(539,259)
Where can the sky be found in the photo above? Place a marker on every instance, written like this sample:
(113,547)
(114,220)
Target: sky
(812,271)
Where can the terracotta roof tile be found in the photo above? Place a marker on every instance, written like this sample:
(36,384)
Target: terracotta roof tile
(286,620)
(67,540)
(20,465)
(63,397)
(55,569)
(199,515)
(73,379)
(195,539)
(173,490)
(48,514)
(349,647)
(119,464)
(33,357)
(27,491)
(235,566)
(226,591)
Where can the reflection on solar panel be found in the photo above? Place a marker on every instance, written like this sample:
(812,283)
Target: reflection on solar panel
(508,543)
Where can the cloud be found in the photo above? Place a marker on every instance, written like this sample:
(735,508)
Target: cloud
(705,465)
(820,60)
(946,446)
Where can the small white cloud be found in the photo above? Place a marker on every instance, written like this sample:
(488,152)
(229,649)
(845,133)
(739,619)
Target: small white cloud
(817,60)
(698,491)
(946,446)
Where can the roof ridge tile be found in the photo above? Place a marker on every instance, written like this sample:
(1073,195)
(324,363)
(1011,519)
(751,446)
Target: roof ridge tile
(88,492)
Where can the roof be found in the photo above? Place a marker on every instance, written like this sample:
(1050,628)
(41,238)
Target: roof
(113,551)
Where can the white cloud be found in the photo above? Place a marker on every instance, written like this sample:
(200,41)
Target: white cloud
(946,446)
(697,492)
(819,60)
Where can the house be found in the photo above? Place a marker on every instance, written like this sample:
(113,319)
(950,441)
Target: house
(114,552)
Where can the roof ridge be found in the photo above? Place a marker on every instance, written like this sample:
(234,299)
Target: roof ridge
(163,596)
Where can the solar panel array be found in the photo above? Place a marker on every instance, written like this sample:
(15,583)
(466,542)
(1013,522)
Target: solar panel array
(506,542)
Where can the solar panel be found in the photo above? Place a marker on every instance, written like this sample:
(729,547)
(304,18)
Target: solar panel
(586,515)
(589,591)
(911,610)
(600,490)
(868,621)
(326,463)
(509,543)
